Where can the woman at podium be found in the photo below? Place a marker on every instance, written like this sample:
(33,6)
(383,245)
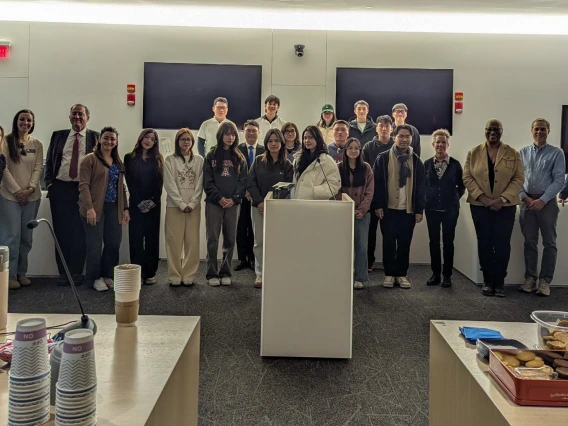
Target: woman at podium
(316,176)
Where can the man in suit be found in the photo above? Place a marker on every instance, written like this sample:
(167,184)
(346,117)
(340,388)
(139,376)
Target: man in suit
(245,235)
(67,149)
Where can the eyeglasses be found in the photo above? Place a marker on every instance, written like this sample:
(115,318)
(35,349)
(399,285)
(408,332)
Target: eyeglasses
(221,108)
(404,136)
(23,149)
(290,132)
(399,111)
(493,129)
(185,140)
(253,131)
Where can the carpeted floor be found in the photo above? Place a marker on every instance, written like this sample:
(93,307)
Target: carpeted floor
(386,382)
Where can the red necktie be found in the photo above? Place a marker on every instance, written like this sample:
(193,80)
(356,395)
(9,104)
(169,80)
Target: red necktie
(75,157)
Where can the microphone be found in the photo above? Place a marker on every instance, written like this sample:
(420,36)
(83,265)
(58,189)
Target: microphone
(85,321)
(327,181)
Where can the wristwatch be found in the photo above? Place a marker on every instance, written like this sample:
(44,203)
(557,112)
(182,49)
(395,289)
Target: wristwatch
(505,201)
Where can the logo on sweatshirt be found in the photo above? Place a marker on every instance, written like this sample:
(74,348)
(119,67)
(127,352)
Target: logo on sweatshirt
(227,165)
(186,176)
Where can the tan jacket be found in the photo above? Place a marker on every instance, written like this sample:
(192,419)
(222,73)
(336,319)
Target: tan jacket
(327,133)
(509,174)
(93,181)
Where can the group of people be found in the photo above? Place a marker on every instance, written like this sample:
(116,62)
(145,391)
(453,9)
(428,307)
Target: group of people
(376,163)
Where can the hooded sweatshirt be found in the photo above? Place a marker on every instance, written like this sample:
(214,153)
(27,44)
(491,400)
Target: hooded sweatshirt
(227,182)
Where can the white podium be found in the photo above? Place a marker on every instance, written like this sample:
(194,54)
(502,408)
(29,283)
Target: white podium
(307,283)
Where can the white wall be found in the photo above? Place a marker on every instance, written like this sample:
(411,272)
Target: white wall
(513,78)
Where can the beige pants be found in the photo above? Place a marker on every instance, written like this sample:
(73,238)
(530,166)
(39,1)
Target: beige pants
(182,244)
(258,229)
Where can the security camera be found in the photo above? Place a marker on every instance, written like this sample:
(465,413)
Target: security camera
(299,48)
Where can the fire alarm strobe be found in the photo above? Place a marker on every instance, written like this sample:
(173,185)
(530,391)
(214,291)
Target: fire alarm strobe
(5,49)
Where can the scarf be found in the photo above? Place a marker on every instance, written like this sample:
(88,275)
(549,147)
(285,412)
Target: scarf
(404,171)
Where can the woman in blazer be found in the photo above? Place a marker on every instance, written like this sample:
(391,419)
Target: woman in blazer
(183,181)
(316,176)
(357,181)
(493,175)
(444,188)
(103,208)
(267,170)
(144,174)
(20,193)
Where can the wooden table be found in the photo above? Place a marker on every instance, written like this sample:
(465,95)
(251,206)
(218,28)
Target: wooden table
(147,375)
(461,390)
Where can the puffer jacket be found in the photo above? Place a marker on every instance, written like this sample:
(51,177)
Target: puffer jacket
(312,185)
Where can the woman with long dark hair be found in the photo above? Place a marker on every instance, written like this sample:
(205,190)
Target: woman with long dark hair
(316,176)
(326,122)
(103,208)
(357,181)
(144,173)
(183,181)
(291,140)
(266,171)
(224,180)
(20,193)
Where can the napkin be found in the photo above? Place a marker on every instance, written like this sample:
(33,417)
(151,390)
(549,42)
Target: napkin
(471,334)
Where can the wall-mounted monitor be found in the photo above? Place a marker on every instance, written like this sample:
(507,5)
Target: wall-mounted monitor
(181,95)
(428,94)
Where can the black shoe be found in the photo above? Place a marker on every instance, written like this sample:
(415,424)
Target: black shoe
(62,280)
(434,280)
(241,265)
(447,282)
(487,290)
(251,265)
(500,291)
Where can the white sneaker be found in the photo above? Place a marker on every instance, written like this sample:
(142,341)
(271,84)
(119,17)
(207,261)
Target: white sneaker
(403,282)
(388,282)
(109,282)
(100,285)
(214,282)
(226,281)
(150,281)
(358,285)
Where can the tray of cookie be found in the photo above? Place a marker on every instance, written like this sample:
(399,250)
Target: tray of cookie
(531,377)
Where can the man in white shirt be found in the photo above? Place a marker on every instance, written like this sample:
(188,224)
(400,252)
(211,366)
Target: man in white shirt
(270,119)
(67,149)
(207,135)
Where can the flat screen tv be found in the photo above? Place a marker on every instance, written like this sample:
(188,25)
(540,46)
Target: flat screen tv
(428,94)
(181,95)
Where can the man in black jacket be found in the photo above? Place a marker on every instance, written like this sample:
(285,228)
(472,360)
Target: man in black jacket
(362,127)
(400,187)
(399,113)
(245,233)
(67,149)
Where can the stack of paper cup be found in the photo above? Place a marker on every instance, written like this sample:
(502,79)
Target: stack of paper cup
(55,362)
(30,375)
(127,283)
(76,389)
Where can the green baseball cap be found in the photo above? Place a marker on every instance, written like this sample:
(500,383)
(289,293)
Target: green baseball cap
(327,108)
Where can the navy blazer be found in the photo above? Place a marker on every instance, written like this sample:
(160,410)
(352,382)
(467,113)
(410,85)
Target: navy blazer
(55,151)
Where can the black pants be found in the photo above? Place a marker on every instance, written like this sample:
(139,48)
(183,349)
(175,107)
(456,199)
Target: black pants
(107,231)
(63,201)
(446,222)
(245,233)
(372,242)
(398,230)
(144,239)
(493,229)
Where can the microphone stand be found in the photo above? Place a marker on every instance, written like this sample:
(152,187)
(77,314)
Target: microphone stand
(85,322)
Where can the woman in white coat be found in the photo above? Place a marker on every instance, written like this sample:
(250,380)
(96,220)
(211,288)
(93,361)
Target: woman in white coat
(316,176)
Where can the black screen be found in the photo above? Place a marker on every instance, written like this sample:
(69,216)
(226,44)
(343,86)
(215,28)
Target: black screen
(427,93)
(182,95)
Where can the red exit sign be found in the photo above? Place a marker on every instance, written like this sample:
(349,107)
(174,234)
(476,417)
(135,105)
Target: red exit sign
(4,50)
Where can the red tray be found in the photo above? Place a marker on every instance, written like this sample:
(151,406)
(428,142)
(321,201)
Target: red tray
(548,393)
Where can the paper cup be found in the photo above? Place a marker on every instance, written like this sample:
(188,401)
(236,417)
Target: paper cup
(127,296)
(78,368)
(126,312)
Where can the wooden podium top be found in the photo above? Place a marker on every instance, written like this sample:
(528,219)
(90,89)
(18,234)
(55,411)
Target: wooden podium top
(133,363)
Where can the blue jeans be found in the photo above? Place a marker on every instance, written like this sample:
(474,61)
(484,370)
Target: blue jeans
(361,231)
(15,234)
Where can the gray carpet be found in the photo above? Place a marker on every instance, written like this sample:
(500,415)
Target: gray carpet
(386,382)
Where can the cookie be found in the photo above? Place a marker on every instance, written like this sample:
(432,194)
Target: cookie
(562,323)
(511,361)
(555,344)
(547,370)
(561,336)
(562,372)
(548,338)
(537,358)
(534,364)
(525,356)
(499,355)
(561,363)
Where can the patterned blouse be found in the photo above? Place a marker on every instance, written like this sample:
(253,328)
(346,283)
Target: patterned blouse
(441,167)
(111,195)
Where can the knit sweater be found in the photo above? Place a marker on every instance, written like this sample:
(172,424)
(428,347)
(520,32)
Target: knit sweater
(183,181)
